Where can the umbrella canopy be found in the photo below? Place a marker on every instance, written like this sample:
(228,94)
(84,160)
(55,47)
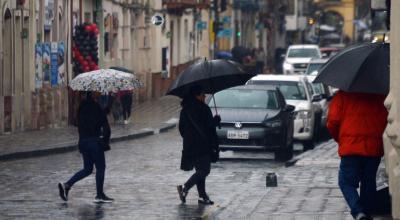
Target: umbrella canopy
(122,69)
(105,81)
(361,68)
(211,75)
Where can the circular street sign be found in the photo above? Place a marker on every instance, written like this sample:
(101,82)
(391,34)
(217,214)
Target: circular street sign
(157,20)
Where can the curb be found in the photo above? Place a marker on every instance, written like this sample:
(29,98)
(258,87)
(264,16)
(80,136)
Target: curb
(72,146)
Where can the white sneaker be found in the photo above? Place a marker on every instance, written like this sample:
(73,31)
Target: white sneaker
(125,122)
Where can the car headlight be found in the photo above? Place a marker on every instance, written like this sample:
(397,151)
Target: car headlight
(273,124)
(303,114)
(287,66)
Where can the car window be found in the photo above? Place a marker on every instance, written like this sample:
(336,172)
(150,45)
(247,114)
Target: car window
(245,98)
(313,68)
(309,88)
(303,52)
(290,90)
(318,88)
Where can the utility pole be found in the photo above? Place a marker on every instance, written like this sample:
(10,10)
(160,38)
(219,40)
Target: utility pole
(216,27)
(100,24)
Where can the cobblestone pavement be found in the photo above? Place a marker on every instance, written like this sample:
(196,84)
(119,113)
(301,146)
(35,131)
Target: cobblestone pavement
(142,175)
(309,190)
(162,110)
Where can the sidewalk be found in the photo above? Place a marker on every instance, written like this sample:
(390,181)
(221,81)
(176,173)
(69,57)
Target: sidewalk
(147,118)
(307,190)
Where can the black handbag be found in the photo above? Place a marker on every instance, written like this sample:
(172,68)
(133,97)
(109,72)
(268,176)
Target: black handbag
(186,163)
(214,155)
(104,145)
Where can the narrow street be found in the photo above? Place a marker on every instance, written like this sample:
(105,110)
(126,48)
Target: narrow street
(142,176)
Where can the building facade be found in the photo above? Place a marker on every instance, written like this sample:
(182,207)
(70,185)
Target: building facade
(35,38)
(38,60)
(392,133)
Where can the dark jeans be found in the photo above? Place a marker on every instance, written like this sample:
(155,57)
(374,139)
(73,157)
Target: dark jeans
(260,67)
(92,154)
(353,171)
(126,101)
(202,166)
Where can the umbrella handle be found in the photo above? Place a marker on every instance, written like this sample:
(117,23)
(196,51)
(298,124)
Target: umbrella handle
(215,105)
(216,111)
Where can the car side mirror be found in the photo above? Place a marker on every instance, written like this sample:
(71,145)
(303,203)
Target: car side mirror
(316,98)
(289,108)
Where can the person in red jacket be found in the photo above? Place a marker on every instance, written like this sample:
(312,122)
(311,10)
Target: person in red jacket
(357,122)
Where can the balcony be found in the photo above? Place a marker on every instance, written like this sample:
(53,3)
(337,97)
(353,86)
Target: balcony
(178,5)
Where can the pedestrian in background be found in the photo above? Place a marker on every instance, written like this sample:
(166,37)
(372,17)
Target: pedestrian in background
(357,122)
(126,101)
(116,109)
(92,124)
(260,60)
(200,143)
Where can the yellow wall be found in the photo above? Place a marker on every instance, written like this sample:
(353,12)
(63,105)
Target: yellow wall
(347,10)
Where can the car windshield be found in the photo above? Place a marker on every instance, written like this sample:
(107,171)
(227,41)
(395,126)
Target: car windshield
(290,90)
(303,52)
(245,98)
(313,68)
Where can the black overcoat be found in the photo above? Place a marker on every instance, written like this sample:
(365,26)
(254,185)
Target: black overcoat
(194,143)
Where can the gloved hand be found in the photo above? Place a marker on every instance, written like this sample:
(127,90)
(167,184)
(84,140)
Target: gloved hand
(217,120)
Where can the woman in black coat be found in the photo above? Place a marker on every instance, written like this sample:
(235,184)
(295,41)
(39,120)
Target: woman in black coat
(200,143)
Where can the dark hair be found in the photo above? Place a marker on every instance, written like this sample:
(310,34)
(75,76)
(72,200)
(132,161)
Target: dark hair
(195,90)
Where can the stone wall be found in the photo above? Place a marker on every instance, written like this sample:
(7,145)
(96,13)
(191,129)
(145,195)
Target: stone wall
(392,133)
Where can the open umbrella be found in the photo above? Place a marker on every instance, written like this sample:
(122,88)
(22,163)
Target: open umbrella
(211,75)
(361,68)
(105,81)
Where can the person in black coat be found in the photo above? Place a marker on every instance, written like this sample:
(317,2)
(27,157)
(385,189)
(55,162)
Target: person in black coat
(94,133)
(200,143)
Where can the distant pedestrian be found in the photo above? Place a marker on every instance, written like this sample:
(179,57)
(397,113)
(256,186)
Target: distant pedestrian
(126,101)
(260,60)
(200,143)
(92,124)
(116,109)
(357,122)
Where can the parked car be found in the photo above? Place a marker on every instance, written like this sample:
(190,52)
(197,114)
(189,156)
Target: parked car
(255,118)
(324,90)
(298,56)
(328,52)
(297,91)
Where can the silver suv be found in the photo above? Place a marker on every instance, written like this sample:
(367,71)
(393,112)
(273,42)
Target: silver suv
(298,56)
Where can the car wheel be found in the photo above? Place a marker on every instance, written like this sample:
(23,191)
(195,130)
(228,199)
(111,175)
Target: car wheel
(317,128)
(285,152)
(308,145)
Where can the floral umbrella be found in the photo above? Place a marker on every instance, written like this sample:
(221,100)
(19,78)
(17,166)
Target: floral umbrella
(105,81)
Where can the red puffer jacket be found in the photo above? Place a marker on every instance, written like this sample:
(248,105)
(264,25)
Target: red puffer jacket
(357,121)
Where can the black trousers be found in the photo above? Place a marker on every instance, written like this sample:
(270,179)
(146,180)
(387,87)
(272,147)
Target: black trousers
(126,101)
(202,166)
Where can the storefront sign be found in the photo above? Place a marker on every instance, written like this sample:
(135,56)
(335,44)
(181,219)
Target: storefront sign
(61,64)
(54,64)
(46,62)
(38,65)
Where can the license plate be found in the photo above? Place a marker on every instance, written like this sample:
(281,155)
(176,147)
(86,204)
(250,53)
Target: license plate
(238,134)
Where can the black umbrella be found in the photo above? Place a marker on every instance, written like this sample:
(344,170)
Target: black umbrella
(211,75)
(361,68)
(123,69)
